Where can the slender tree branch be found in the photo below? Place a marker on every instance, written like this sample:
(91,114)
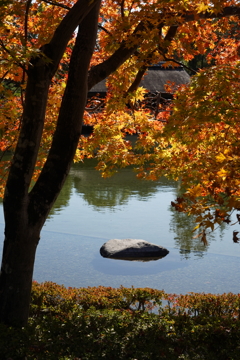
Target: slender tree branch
(3,153)
(54,3)
(137,80)
(171,33)
(227,11)
(181,64)
(25,43)
(140,73)
(26,21)
(68,8)
(143,69)
(167,39)
(103,70)
(104,29)
(4,75)
(10,53)
(122,8)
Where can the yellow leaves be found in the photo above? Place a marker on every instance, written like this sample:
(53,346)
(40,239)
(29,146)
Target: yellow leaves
(79,156)
(222,174)
(140,93)
(196,191)
(202,7)
(63,84)
(220,158)
(197,227)
(117,137)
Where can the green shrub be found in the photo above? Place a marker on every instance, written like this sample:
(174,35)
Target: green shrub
(125,323)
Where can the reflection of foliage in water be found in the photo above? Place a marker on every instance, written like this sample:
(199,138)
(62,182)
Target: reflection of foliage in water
(185,238)
(117,190)
(64,197)
(182,226)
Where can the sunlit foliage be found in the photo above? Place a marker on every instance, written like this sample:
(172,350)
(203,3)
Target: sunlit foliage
(195,140)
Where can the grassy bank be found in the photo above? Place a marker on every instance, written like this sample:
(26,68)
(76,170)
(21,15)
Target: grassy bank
(125,323)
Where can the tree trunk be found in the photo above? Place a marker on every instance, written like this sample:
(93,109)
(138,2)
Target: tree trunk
(25,213)
(16,274)
(21,236)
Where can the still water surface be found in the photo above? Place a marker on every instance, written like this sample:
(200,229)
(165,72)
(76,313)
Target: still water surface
(91,210)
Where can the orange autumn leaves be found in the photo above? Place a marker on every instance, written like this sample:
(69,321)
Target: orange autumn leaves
(207,131)
(24,29)
(199,144)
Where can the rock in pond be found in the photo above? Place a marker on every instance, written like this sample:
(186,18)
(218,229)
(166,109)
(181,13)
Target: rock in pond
(132,249)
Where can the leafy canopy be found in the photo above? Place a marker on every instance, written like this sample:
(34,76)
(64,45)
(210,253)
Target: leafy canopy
(196,139)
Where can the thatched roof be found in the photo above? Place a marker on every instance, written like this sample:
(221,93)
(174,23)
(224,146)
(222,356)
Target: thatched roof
(154,80)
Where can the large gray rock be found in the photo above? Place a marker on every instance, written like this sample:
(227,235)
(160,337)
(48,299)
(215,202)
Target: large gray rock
(132,249)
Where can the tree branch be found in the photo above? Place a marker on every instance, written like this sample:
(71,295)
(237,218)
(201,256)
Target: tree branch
(69,123)
(25,43)
(26,21)
(227,11)
(137,79)
(4,75)
(181,64)
(171,33)
(39,78)
(10,53)
(107,67)
(104,29)
(168,38)
(55,49)
(103,70)
(54,3)
(122,8)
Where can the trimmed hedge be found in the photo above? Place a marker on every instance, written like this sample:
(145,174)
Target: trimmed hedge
(125,323)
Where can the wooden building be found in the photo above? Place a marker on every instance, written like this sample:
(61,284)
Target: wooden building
(154,80)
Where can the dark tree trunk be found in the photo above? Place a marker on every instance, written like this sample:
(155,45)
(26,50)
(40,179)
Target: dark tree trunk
(16,274)
(25,212)
(21,238)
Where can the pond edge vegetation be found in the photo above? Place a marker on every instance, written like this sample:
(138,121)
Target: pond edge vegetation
(124,323)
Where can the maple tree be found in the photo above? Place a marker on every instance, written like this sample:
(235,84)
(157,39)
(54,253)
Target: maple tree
(207,136)
(198,143)
(52,53)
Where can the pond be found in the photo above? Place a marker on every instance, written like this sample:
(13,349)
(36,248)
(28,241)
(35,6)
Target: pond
(91,210)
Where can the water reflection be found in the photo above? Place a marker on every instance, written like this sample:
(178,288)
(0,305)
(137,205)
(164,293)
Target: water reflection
(91,210)
(108,193)
(186,240)
(182,226)
(115,193)
(133,268)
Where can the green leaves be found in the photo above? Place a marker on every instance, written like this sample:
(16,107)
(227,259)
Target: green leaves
(97,323)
